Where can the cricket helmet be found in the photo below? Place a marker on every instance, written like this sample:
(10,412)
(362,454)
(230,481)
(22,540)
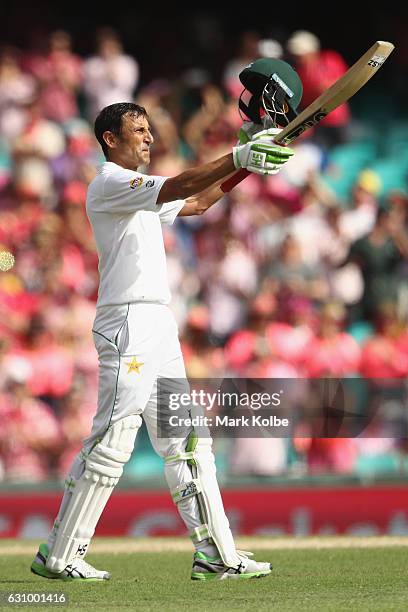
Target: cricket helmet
(273,91)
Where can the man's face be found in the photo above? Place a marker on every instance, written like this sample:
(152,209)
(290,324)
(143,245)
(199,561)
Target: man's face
(135,139)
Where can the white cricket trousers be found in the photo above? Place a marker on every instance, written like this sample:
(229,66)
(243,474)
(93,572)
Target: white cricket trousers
(136,344)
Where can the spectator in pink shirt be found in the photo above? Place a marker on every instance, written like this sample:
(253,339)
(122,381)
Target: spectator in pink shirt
(31,436)
(51,365)
(333,352)
(62,79)
(318,69)
(335,455)
(249,344)
(289,340)
(385,355)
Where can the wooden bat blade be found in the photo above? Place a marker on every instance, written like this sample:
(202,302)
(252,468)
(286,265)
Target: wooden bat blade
(338,93)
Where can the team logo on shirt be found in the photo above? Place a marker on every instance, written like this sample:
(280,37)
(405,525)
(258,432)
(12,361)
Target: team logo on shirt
(134,366)
(149,184)
(136,182)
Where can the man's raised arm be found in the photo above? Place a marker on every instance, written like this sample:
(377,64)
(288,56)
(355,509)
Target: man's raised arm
(260,156)
(195,180)
(199,203)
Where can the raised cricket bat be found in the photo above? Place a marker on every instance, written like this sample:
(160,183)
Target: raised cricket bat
(338,93)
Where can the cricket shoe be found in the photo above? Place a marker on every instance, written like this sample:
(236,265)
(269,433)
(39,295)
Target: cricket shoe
(78,569)
(213,568)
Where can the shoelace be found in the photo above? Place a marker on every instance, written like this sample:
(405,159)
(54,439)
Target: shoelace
(84,567)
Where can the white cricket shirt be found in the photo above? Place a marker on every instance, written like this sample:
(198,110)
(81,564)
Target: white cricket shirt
(126,221)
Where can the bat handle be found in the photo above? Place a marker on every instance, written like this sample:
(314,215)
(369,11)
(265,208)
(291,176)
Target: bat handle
(230,183)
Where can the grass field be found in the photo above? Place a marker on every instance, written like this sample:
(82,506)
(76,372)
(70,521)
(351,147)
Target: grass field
(309,574)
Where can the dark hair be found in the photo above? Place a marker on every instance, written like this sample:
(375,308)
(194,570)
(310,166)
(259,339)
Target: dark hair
(110,119)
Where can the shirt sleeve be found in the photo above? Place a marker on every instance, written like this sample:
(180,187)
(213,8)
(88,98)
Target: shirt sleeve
(169,211)
(126,191)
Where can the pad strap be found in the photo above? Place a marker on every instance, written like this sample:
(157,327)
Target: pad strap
(186,456)
(200,533)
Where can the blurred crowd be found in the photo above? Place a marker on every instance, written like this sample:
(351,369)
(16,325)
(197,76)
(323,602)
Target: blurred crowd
(280,279)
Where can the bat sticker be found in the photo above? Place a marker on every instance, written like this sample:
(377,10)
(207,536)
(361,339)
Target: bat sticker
(305,125)
(376,60)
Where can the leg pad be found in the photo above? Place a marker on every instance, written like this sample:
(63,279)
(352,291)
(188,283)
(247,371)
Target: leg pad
(91,491)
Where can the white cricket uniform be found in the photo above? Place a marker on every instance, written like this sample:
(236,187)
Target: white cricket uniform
(136,337)
(134,331)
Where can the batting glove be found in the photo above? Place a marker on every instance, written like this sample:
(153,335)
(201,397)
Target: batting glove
(276,155)
(261,157)
(254,131)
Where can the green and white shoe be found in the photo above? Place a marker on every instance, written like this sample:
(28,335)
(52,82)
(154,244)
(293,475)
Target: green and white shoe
(213,568)
(78,569)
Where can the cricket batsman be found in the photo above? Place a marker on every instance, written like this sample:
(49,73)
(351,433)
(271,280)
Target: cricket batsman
(136,335)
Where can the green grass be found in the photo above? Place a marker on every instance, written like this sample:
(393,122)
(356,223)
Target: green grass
(332,579)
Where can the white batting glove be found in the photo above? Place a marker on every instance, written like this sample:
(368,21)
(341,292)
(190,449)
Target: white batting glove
(261,156)
(266,135)
(276,155)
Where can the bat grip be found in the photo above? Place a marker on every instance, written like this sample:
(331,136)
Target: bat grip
(230,183)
